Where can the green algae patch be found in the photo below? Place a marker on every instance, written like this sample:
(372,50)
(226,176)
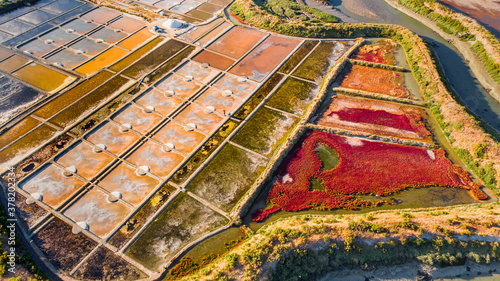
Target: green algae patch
(101,114)
(171,64)
(199,14)
(265,131)
(227,177)
(293,96)
(297,57)
(328,156)
(27,144)
(106,265)
(17,131)
(317,64)
(316,184)
(182,222)
(134,224)
(63,249)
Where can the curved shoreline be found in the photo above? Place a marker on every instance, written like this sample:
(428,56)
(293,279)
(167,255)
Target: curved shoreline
(463,47)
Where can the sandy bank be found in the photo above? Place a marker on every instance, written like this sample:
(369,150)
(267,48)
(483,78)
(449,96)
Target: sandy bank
(463,46)
(368,9)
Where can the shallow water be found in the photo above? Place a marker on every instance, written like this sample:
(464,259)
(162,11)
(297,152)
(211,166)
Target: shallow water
(15,97)
(125,180)
(494,277)
(237,41)
(456,69)
(42,77)
(152,155)
(67,58)
(94,209)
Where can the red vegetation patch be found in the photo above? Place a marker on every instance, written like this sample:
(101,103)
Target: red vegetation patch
(366,167)
(411,123)
(376,117)
(380,52)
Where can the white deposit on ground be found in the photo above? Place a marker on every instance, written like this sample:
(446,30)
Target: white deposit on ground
(172,24)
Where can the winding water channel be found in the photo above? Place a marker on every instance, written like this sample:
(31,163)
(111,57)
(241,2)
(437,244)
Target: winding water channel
(459,75)
(454,65)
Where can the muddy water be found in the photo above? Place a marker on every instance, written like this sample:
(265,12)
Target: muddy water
(236,42)
(486,12)
(214,60)
(265,57)
(125,180)
(412,198)
(455,67)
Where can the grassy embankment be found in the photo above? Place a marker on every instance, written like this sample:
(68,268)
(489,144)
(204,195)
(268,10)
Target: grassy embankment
(310,246)
(476,143)
(486,45)
(297,242)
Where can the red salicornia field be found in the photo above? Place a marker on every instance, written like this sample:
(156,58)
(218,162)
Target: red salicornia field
(408,122)
(375,117)
(363,167)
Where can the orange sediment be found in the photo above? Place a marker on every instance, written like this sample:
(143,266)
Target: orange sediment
(136,39)
(108,57)
(374,80)
(42,77)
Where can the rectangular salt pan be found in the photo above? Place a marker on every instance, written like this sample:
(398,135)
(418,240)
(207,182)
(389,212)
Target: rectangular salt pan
(79,26)
(15,27)
(37,17)
(88,47)
(62,6)
(67,59)
(51,185)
